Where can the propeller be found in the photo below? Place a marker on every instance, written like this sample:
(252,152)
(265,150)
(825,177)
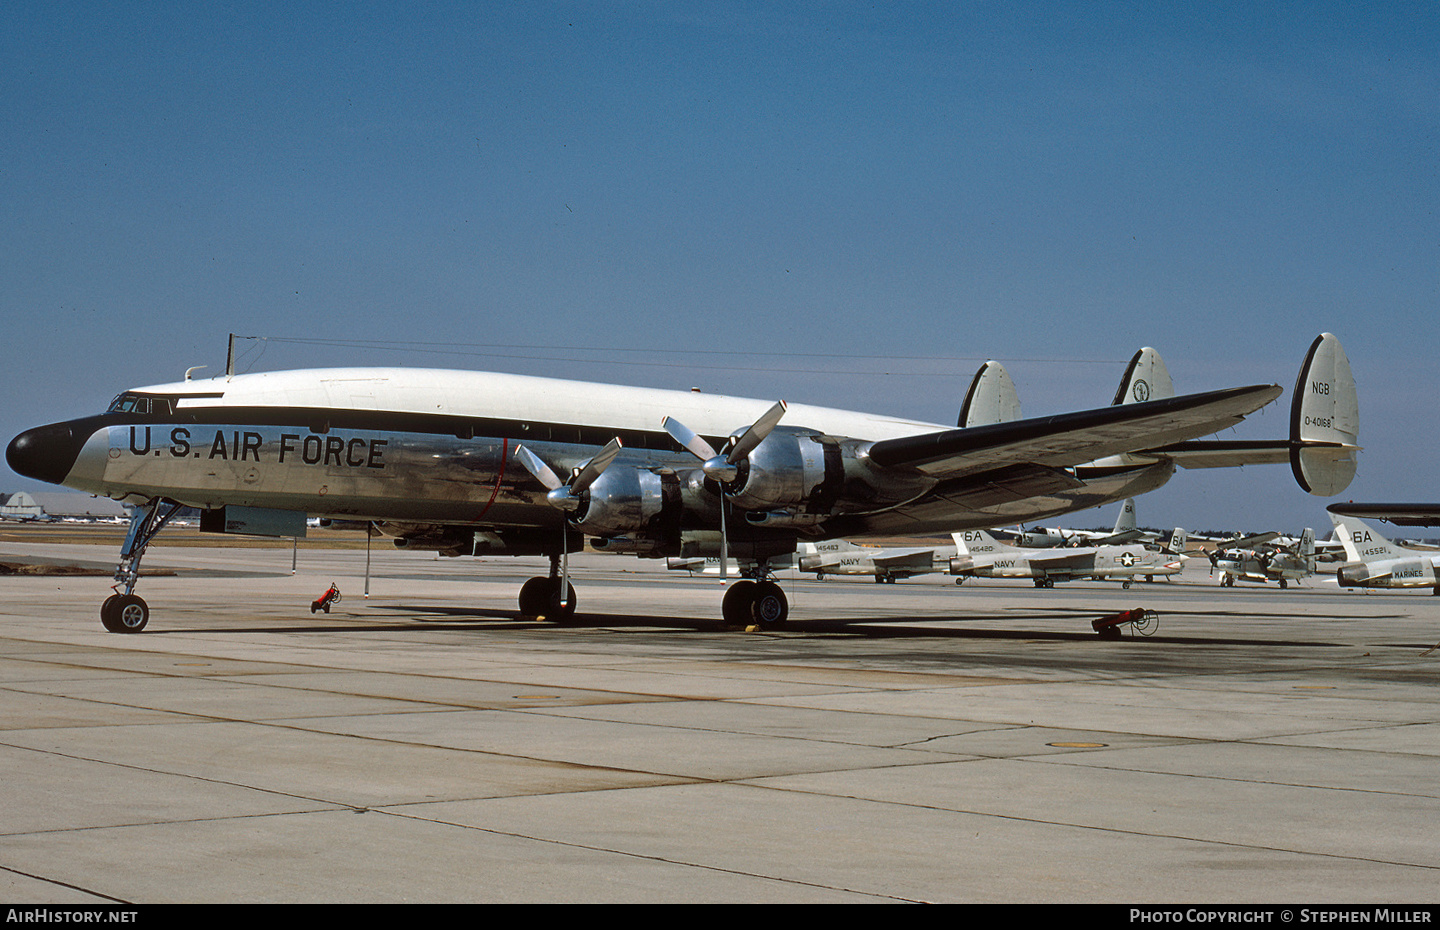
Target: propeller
(724,467)
(568,496)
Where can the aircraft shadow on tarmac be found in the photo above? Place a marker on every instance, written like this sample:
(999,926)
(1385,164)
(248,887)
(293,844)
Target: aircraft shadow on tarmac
(403,617)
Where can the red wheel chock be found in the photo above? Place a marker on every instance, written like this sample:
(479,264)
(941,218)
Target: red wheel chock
(1144,622)
(324,601)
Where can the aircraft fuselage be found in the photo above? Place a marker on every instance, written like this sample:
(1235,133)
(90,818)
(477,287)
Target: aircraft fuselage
(422,447)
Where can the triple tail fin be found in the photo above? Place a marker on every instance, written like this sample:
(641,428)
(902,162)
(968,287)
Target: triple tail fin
(1146,378)
(1324,420)
(992,398)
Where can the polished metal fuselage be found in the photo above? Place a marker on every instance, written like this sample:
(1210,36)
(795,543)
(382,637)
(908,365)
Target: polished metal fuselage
(436,447)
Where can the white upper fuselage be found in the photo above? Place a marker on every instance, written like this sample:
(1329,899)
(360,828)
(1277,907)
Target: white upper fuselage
(496,395)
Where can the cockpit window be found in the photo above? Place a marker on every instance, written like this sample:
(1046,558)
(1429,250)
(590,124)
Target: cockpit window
(129,402)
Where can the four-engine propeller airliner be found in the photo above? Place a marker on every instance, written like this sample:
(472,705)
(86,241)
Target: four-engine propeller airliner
(479,463)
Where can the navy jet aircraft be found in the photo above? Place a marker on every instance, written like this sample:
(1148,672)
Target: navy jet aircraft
(1376,562)
(980,555)
(885,565)
(478,463)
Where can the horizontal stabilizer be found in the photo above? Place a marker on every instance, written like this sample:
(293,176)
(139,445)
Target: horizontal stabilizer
(905,558)
(1324,429)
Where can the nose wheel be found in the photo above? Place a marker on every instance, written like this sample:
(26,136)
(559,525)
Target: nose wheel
(124,613)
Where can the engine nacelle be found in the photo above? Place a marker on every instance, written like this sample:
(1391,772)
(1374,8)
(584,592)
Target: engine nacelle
(785,470)
(625,501)
(795,472)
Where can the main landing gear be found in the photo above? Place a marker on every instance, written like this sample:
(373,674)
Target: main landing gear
(759,601)
(541,596)
(127,612)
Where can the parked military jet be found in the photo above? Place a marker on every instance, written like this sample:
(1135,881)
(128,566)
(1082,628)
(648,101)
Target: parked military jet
(1260,558)
(885,565)
(482,463)
(1376,562)
(980,555)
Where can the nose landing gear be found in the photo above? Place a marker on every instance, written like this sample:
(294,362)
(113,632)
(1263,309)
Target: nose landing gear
(127,612)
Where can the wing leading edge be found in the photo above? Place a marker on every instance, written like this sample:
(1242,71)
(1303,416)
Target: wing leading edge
(1069,439)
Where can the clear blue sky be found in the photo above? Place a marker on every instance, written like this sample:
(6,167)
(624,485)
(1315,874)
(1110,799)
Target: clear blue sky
(843,203)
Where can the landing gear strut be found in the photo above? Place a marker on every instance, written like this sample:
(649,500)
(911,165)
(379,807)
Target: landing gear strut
(127,612)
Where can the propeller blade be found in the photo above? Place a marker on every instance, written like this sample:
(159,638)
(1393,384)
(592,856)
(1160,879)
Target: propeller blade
(537,467)
(688,438)
(756,433)
(595,467)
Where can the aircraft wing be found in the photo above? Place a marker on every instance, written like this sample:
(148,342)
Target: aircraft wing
(1117,539)
(1247,542)
(1070,439)
(1399,514)
(1064,559)
(904,558)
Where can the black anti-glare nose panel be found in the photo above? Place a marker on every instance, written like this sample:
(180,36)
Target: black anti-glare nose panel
(47,453)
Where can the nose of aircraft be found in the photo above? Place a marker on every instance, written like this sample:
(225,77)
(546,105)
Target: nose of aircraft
(47,453)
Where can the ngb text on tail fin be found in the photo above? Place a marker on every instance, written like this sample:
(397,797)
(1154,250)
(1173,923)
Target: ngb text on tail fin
(1324,420)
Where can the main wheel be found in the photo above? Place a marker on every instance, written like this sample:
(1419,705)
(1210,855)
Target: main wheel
(540,597)
(738,603)
(769,607)
(532,597)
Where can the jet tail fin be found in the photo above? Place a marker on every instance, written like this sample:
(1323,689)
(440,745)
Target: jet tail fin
(1179,539)
(1125,522)
(992,398)
(969,542)
(1362,542)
